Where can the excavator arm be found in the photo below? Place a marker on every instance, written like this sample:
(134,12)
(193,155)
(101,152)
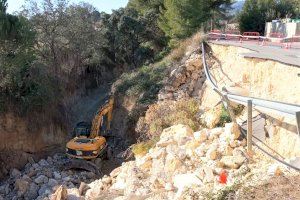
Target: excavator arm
(105,110)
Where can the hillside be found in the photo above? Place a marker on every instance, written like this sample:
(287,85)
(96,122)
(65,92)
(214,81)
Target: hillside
(173,133)
(187,148)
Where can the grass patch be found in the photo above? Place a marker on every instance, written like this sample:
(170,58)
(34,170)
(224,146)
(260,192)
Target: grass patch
(142,148)
(228,191)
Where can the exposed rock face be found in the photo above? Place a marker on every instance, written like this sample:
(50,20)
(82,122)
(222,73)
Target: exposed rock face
(17,144)
(185,79)
(257,78)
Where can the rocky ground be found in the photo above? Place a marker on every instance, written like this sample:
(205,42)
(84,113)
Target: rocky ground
(38,180)
(183,164)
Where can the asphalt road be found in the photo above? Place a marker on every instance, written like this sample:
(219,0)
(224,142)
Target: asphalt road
(289,56)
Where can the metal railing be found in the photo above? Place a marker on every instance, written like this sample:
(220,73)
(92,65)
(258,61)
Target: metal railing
(284,109)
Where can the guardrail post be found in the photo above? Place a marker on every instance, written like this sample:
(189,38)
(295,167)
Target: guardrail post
(249,126)
(298,121)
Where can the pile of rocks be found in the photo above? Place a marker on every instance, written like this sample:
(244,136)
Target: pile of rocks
(183,164)
(185,79)
(181,160)
(38,180)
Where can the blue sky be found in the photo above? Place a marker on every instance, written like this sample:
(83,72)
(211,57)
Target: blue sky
(101,5)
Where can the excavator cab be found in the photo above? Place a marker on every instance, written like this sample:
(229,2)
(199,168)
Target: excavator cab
(82,129)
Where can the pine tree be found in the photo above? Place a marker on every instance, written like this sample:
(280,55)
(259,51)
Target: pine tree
(181,18)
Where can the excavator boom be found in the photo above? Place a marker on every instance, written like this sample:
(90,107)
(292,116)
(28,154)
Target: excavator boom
(98,122)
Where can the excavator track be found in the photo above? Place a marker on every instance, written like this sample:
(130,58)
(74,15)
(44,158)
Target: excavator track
(82,164)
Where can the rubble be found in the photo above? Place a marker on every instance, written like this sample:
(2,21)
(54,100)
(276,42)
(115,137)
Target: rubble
(182,164)
(181,159)
(185,80)
(40,180)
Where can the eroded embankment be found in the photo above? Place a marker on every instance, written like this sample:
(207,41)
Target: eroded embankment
(23,138)
(196,152)
(258,78)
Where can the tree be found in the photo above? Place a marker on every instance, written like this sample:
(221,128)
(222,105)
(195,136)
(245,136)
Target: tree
(256,13)
(182,18)
(149,12)
(23,85)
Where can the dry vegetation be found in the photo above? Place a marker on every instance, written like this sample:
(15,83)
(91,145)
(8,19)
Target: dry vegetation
(184,46)
(165,114)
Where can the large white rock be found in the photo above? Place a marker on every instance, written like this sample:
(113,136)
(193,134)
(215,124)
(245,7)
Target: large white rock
(212,153)
(15,173)
(41,179)
(73,194)
(52,182)
(216,131)
(157,153)
(208,175)
(169,187)
(201,136)
(177,132)
(232,130)
(212,117)
(115,172)
(43,162)
(120,184)
(182,181)
(56,175)
(233,162)
(95,189)
(165,141)
(21,186)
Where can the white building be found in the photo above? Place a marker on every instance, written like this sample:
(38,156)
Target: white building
(278,28)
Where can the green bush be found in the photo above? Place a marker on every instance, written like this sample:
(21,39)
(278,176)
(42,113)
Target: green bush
(144,82)
(224,118)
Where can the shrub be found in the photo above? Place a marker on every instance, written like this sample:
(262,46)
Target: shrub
(181,47)
(224,118)
(144,82)
(169,113)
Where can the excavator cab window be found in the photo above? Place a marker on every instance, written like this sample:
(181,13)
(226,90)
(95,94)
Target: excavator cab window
(82,129)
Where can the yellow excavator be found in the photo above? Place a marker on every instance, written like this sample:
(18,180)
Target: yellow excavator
(89,142)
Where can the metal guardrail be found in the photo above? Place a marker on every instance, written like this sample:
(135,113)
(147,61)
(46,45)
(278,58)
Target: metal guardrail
(284,109)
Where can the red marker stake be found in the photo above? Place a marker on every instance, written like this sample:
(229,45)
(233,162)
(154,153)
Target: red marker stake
(223,177)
